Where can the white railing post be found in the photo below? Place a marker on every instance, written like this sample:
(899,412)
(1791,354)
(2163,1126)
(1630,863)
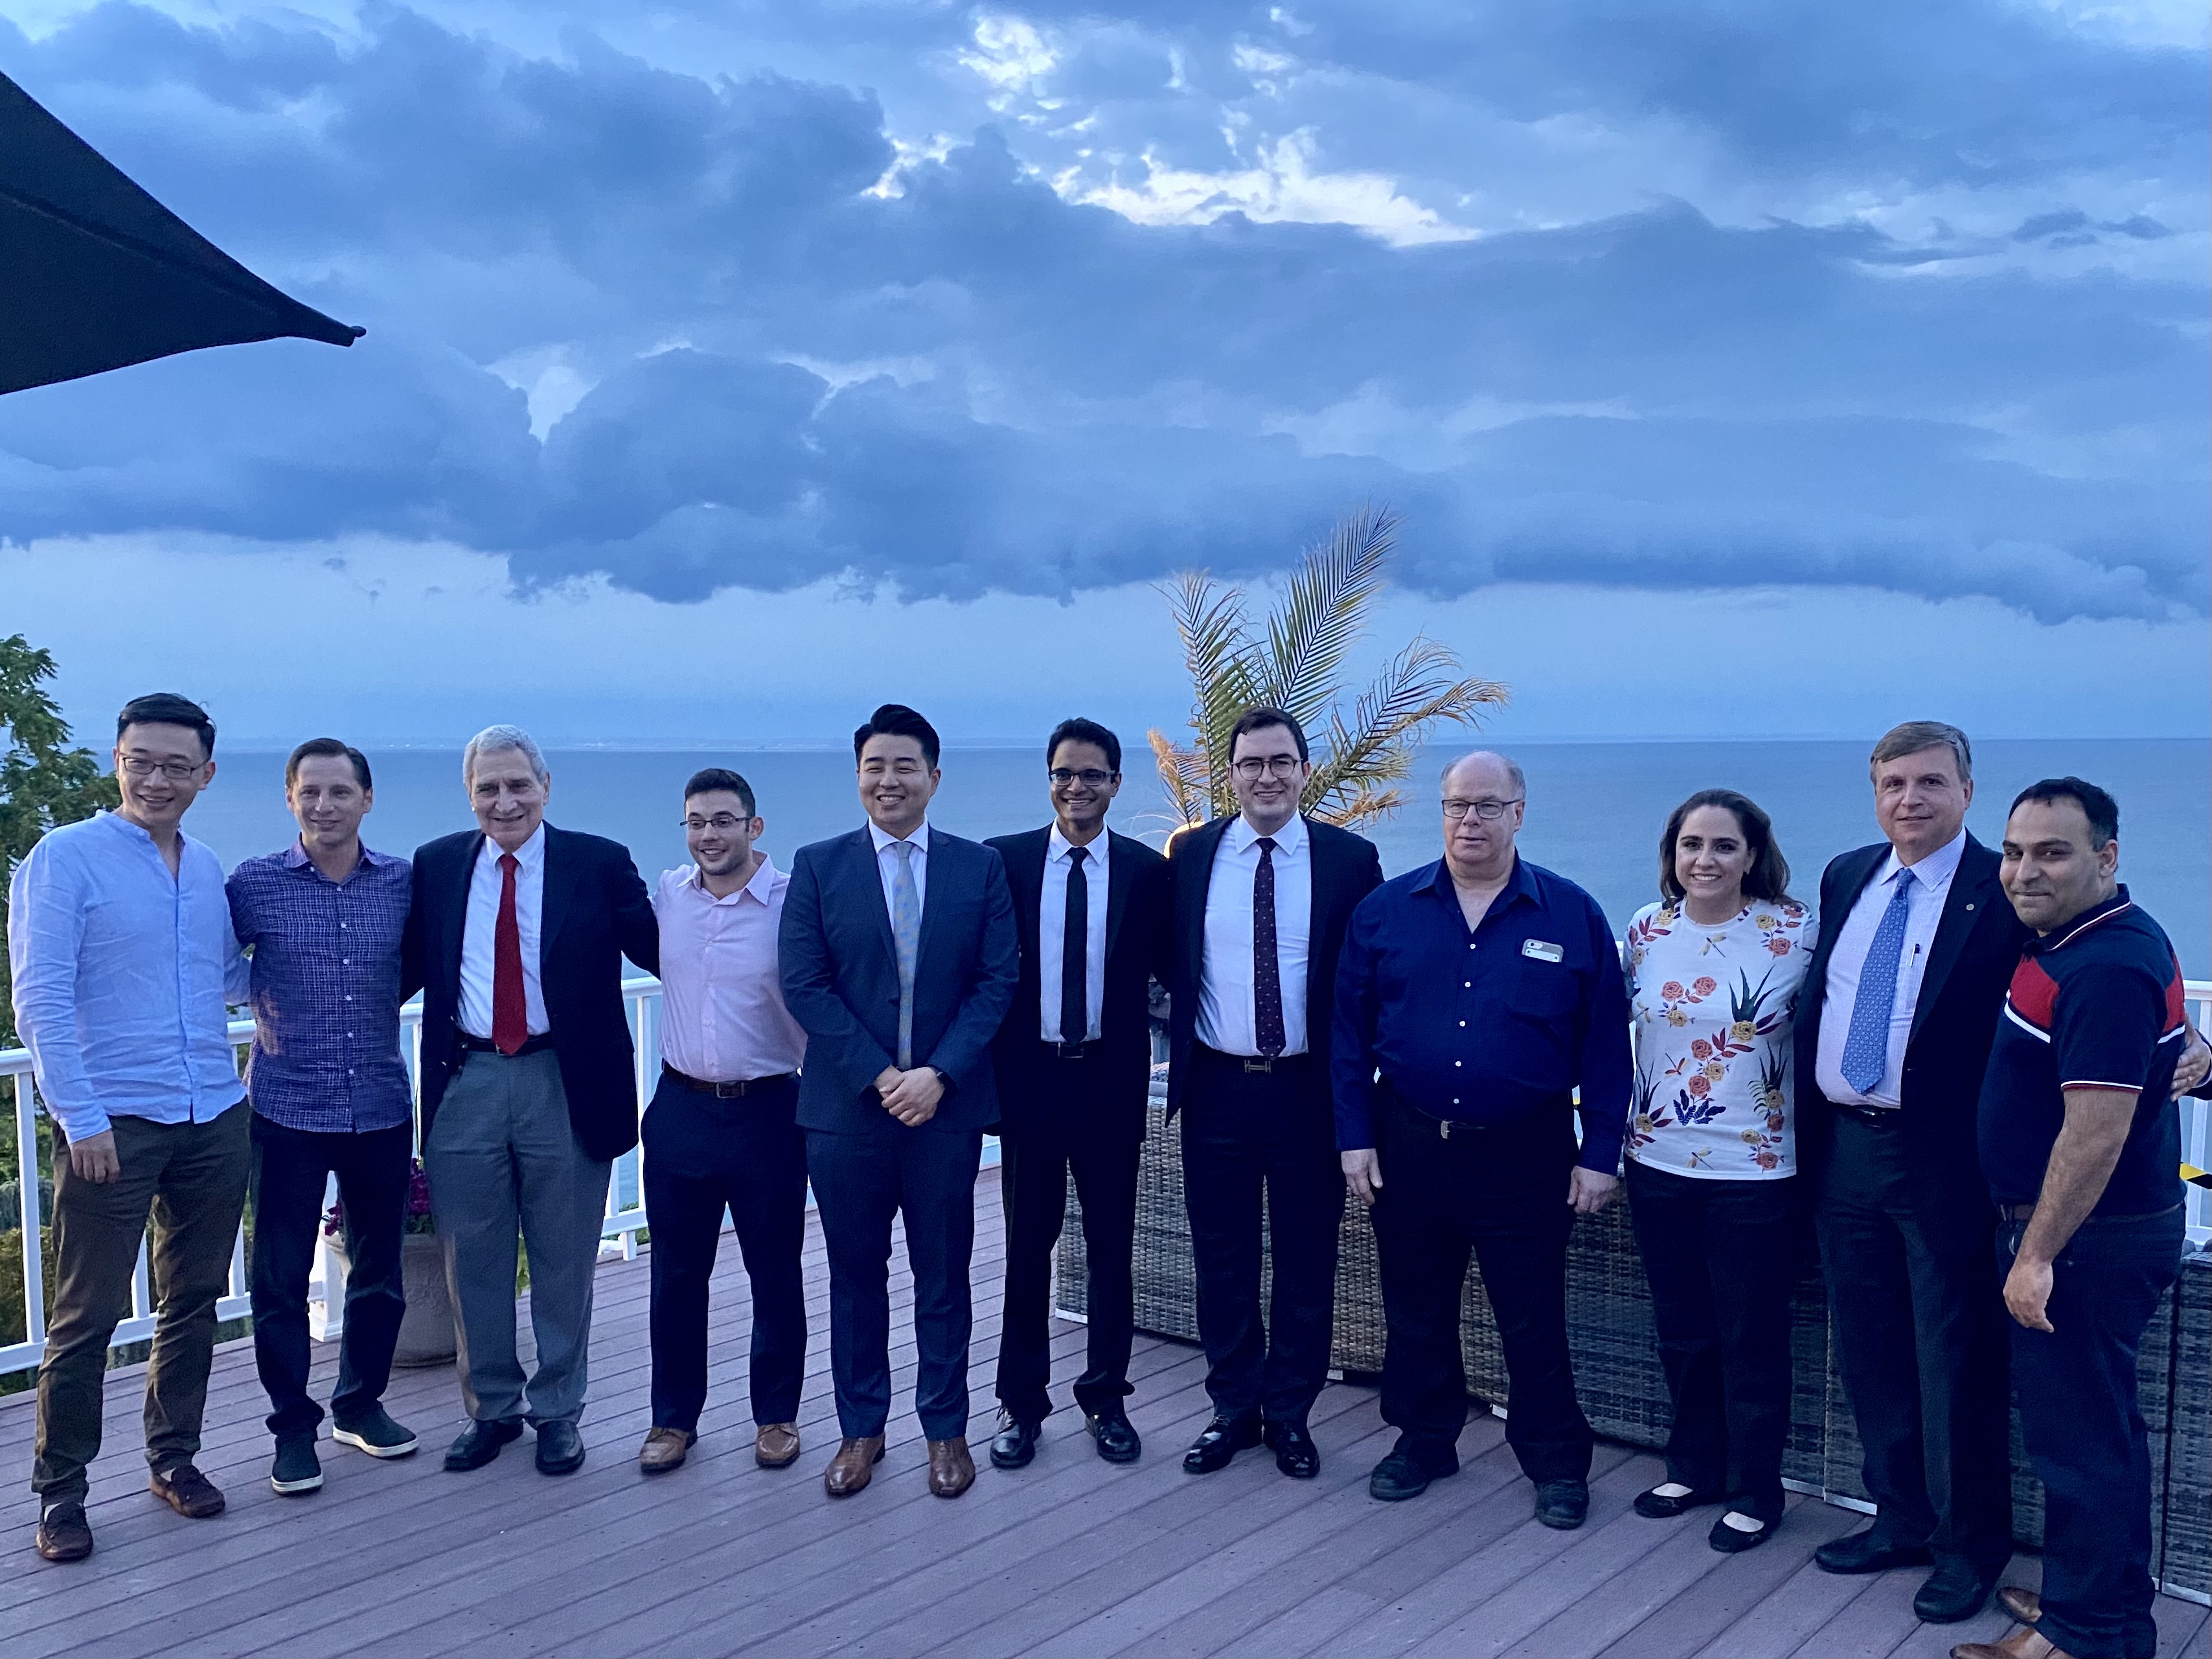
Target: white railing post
(34,1214)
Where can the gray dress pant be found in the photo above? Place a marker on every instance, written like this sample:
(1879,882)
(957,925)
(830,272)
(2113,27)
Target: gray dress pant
(500,1155)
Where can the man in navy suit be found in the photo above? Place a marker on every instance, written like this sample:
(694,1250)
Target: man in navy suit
(516,937)
(1075,1063)
(899,959)
(1261,902)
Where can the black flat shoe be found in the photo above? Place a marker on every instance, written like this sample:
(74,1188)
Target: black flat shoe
(560,1448)
(1954,1592)
(1730,1539)
(1869,1552)
(1014,1447)
(1563,1505)
(1115,1435)
(1219,1442)
(1295,1454)
(1656,1505)
(1401,1475)
(479,1443)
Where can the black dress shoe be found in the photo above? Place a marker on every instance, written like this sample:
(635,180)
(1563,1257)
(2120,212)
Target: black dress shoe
(1403,1475)
(1656,1505)
(560,1448)
(479,1443)
(1295,1454)
(1014,1447)
(1954,1592)
(1219,1442)
(1115,1435)
(1869,1552)
(1563,1505)
(1732,1540)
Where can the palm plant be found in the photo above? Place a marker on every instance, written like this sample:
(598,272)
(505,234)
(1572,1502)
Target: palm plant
(1296,665)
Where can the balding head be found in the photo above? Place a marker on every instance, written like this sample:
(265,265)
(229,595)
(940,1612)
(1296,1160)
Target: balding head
(1484,771)
(1483,794)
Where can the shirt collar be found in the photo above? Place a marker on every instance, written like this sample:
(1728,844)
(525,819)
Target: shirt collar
(296,854)
(1938,867)
(529,855)
(2082,923)
(1290,840)
(139,833)
(1518,885)
(920,838)
(1058,846)
(760,888)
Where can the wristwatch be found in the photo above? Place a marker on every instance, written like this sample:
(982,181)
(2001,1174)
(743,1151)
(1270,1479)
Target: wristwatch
(944,1078)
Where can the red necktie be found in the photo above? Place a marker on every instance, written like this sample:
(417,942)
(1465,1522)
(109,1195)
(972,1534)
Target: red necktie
(510,1010)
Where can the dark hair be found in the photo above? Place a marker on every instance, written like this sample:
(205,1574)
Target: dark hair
(2098,807)
(1079,730)
(1768,878)
(332,749)
(896,719)
(167,708)
(721,777)
(1259,720)
(1914,736)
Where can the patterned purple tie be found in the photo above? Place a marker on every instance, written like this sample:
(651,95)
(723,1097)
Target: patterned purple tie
(1267,972)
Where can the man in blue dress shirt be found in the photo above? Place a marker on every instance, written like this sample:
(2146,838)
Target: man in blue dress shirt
(324,918)
(1474,994)
(120,942)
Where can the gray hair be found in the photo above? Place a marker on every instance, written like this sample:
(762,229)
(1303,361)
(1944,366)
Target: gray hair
(1512,767)
(1914,736)
(498,739)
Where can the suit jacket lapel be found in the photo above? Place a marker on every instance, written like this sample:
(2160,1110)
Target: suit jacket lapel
(1321,858)
(1973,888)
(863,848)
(454,915)
(1120,873)
(555,893)
(1203,844)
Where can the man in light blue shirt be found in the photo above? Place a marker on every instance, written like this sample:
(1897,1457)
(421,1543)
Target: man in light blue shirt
(120,946)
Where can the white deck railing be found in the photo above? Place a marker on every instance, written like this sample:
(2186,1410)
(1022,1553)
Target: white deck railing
(625,1213)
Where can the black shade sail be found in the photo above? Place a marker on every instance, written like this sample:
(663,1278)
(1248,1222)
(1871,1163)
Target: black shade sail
(96,274)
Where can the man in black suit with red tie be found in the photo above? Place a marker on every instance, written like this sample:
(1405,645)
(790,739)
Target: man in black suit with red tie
(1074,1060)
(1260,904)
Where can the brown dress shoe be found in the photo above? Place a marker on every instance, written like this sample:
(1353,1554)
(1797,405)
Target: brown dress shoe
(952,1471)
(63,1533)
(664,1449)
(777,1446)
(854,1466)
(2023,1644)
(186,1491)
(2025,1604)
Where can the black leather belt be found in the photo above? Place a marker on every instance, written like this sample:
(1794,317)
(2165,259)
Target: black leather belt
(736,1091)
(1070,1050)
(473,1044)
(1259,1063)
(1883,1115)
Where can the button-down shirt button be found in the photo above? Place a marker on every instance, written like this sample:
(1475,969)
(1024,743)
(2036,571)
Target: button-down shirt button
(1454,1100)
(342,927)
(1467,985)
(1459,1062)
(1462,1023)
(345,962)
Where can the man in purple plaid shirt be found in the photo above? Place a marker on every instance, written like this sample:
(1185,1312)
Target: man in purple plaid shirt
(323,919)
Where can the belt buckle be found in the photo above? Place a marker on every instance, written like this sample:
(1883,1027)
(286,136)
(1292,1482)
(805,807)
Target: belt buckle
(730,1090)
(1259,1063)
(1443,1129)
(1071,1050)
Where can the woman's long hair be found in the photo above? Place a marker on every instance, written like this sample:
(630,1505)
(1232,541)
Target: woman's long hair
(1767,880)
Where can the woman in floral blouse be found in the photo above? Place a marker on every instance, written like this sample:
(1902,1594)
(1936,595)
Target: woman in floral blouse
(1713,970)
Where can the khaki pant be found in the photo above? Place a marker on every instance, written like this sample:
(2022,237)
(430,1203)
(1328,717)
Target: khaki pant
(188,1180)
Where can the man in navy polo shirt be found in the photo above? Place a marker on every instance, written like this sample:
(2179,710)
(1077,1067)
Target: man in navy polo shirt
(2082,1145)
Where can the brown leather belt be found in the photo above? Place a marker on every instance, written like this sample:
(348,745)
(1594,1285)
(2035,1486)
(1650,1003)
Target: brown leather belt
(736,1091)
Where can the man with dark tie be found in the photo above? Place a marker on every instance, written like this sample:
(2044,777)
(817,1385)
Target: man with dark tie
(517,936)
(899,961)
(1074,1060)
(1260,902)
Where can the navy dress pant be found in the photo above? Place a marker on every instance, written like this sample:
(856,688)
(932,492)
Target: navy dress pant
(925,1178)
(704,1155)
(2084,1427)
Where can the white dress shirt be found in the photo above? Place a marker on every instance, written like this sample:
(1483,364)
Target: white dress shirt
(479,933)
(1928,884)
(722,1018)
(887,865)
(1052,936)
(1225,1014)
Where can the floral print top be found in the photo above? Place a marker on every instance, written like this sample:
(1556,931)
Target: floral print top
(1712,1010)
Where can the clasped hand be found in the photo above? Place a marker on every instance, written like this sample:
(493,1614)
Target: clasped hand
(910,1097)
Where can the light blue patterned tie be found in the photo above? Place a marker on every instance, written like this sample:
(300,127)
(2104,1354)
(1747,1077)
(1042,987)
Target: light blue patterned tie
(1866,1047)
(906,937)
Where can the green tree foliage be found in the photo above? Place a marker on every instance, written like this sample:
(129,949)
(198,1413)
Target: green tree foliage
(43,780)
(1296,663)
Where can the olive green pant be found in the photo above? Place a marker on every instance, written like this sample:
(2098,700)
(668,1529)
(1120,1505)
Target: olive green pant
(188,1180)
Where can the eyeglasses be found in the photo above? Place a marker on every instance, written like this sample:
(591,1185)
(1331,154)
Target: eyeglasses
(138,766)
(1283,766)
(1488,811)
(1090,777)
(721,823)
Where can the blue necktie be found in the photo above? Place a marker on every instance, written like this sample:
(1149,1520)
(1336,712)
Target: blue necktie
(906,937)
(1866,1047)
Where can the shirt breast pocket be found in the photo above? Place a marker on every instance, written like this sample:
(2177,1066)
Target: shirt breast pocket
(1542,991)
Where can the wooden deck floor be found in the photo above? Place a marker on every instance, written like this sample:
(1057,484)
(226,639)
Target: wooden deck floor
(1068,1557)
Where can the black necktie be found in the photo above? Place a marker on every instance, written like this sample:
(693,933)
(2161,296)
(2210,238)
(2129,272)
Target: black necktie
(1267,972)
(1075,953)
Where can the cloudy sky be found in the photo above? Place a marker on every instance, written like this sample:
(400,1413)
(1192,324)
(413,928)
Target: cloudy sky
(1781,366)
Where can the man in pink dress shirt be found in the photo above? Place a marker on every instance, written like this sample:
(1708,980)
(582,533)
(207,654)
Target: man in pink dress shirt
(719,1132)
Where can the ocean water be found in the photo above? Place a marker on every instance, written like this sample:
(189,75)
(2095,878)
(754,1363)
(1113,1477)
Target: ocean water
(1595,809)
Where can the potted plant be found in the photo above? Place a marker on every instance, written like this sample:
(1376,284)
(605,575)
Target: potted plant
(426,1329)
